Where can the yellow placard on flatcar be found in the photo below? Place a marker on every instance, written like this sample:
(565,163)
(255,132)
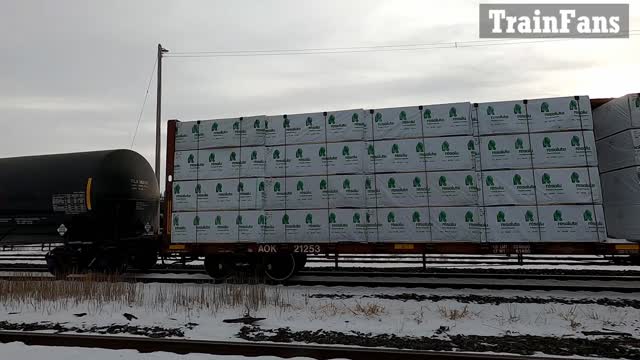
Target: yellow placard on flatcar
(176,247)
(628,247)
(403,246)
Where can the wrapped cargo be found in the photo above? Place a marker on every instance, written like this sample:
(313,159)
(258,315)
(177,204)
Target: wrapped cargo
(315,159)
(568,223)
(504,117)
(223,194)
(446,119)
(622,221)
(617,115)
(297,226)
(568,186)
(512,224)
(394,123)
(505,152)
(453,188)
(219,163)
(183,228)
(187,164)
(295,129)
(310,192)
(352,225)
(396,189)
(456,224)
(403,224)
(508,187)
(619,151)
(621,187)
(564,149)
(346,125)
(184,196)
(235,132)
(217,226)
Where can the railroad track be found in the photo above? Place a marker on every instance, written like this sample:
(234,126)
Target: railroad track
(180,346)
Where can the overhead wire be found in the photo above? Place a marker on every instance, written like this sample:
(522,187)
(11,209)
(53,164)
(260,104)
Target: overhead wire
(146,96)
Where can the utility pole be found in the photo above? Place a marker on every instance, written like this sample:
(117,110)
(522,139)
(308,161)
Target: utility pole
(161,51)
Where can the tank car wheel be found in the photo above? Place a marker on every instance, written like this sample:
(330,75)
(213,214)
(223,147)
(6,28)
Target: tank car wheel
(280,267)
(219,267)
(144,261)
(301,261)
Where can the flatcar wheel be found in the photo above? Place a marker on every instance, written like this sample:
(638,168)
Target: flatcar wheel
(218,267)
(280,267)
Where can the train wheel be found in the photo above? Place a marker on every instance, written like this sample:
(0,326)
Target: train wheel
(301,261)
(280,267)
(144,261)
(57,263)
(219,267)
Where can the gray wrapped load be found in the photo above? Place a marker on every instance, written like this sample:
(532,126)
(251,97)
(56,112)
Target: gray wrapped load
(352,225)
(508,187)
(564,149)
(512,224)
(217,226)
(505,152)
(568,186)
(307,128)
(315,159)
(411,122)
(548,114)
(432,154)
(622,221)
(619,151)
(247,131)
(297,226)
(617,115)
(456,224)
(403,225)
(314,192)
(621,187)
(222,194)
(219,163)
(572,223)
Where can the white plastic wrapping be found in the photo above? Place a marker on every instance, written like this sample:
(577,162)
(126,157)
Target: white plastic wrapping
(346,125)
(456,224)
(621,187)
(505,152)
(619,151)
(504,117)
(315,159)
(564,149)
(295,129)
(508,187)
(446,119)
(512,224)
(395,123)
(396,189)
(568,186)
(570,223)
(223,194)
(295,226)
(310,192)
(617,115)
(622,221)
(404,225)
(352,225)
(248,131)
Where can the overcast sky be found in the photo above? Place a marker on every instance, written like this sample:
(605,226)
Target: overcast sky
(73,74)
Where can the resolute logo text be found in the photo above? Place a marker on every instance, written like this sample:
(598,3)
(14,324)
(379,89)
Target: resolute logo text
(554,20)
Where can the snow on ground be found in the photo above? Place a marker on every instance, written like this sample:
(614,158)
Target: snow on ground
(355,309)
(17,350)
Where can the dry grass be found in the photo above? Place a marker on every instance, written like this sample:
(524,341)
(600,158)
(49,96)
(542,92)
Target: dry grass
(571,316)
(454,314)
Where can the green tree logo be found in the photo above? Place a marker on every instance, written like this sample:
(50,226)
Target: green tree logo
(415,217)
(442,181)
(471,146)
(391,217)
(490,110)
(557,215)
(256,124)
(395,149)
(214,126)
(232,156)
(198,189)
(637,101)
(239,220)
(445,146)
(322,152)
(196,220)
(299,153)
(378,117)
(587,216)
(489,181)
(346,184)
(240,186)
(442,217)
(575,178)
(176,189)
(453,112)
(276,154)
(368,217)
(285,219)
(262,220)
(195,129)
(254,155)
(261,186)
(519,143)
(573,105)
(427,114)
(356,218)
(491,145)
(218,220)
(308,219)
(420,147)
(544,107)
(355,118)
(546,142)
(176,220)
(546,178)
(323,184)
(300,185)
(417,182)
(332,218)
(391,183)
(285,123)
(191,159)
(370,150)
(575,141)
(345,151)
(517,179)
(309,121)
(528,216)
(468,180)
(218,187)
(266,124)
(500,216)
(468,217)
(212,157)
(332,119)
(236,126)
(276,186)
(402,116)
(517,109)
(367,184)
